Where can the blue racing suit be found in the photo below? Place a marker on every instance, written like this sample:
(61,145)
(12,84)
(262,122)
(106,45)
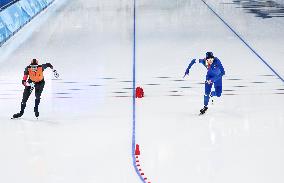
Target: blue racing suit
(214,73)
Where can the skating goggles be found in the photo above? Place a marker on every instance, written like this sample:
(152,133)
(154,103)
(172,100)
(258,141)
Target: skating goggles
(34,68)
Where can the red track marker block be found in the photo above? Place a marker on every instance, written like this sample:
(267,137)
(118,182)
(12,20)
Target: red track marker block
(137,150)
(139,92)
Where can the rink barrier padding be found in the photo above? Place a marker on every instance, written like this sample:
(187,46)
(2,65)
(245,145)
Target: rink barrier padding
(5,3)
(18,14)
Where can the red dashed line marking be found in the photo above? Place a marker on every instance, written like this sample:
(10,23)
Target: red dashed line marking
(138,163)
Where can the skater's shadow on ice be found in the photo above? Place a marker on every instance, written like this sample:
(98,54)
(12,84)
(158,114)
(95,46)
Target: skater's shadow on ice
(46,121)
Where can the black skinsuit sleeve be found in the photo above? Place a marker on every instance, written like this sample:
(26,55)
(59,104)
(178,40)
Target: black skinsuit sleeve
(26,72)
(26,75)
(46,65)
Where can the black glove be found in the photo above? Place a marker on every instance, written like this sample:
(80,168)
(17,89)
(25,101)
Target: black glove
(56,75)
(24,82)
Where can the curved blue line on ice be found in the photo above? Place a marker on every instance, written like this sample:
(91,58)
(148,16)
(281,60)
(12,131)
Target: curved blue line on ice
(133,94)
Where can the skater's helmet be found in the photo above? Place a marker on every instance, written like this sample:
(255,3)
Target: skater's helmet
(34,62)
(209,55)
(34,65)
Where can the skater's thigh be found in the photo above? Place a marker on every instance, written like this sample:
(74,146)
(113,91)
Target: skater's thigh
(208,88)
(38,89)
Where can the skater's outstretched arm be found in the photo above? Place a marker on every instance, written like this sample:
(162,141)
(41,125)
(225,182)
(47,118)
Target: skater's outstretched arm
(46,65)
(189,66)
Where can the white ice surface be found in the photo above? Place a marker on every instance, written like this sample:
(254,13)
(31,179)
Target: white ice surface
(85,126)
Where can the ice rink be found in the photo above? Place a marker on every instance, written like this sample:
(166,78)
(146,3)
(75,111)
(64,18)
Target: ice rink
(90,122)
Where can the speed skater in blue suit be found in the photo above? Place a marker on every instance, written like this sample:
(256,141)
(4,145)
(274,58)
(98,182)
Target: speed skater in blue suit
(215,72)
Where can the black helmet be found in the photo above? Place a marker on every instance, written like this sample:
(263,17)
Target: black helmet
(34,62)
(209,55)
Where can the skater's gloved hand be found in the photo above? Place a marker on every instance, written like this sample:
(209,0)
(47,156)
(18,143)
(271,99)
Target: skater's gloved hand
(209,81)
(56,75)
(188,67)
(32,85)
(24,82)
(186,72)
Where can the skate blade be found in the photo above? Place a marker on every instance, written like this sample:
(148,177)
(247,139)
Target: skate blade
(200,114)
(14,118)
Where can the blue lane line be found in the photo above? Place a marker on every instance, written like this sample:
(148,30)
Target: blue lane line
(133,94)
(244,42)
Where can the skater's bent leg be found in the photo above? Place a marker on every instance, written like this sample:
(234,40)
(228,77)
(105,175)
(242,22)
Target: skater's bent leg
(38,90)
(206,100)
(207,93)
(218,91)
(26,95)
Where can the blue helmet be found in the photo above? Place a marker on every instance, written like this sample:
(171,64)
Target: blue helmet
(209,55)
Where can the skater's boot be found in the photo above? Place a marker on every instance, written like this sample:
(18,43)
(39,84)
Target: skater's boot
(17,115)
(203,110)
(36,111)
(36,107)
